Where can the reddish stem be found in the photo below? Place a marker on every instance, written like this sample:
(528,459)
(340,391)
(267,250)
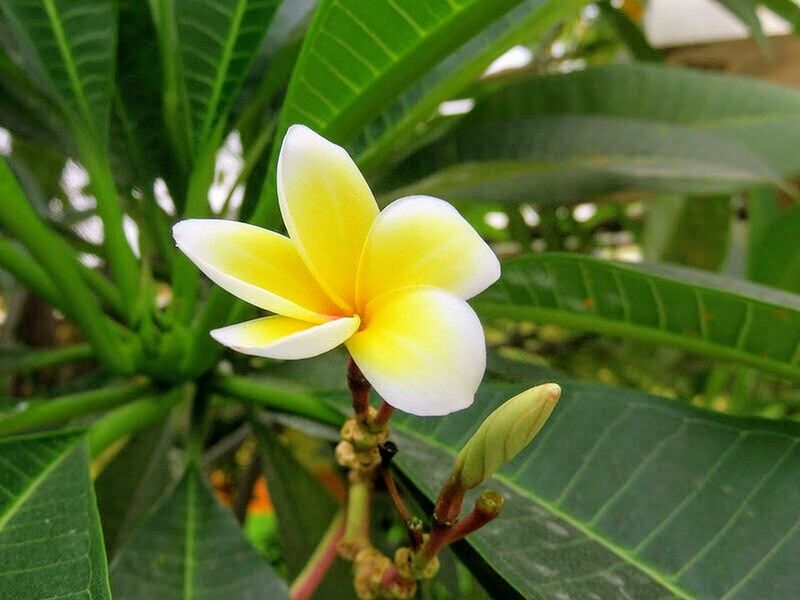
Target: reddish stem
(414,533)
(315,570)
(385,412)
(359,390)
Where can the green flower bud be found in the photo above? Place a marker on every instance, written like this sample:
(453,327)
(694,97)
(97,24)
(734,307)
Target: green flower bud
(504,434)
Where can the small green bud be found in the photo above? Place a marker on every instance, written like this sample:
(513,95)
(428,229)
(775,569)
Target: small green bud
(504,434)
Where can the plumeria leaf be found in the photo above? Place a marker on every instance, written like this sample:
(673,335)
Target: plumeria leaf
(701,312)
(51,544)
(190,548)
(627,495)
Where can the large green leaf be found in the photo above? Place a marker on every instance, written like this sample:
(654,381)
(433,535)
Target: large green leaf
(51,544)
(358,56)
(132,482)
(625,495)
(566,137)
(190,548)
(207,48)
(700,312)
(71,44)
(138,133)
(396,129)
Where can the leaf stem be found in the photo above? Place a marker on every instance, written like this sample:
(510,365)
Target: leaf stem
(131,418)
(357,528)
(321,560)
(277,398)
(50,412)
(123,263)
(56,258)
(33,360)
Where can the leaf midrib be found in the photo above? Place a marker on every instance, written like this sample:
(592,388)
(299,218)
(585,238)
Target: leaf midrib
(222,69)
(66,55)
(605,325)
(34,484)
(589,533)
(189,541)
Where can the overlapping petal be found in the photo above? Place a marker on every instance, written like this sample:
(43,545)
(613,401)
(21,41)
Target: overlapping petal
(257,265)
(420,240)
(327,207)
(422,349)
(286,338)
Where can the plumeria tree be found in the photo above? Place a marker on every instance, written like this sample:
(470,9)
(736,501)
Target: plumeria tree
(321,300)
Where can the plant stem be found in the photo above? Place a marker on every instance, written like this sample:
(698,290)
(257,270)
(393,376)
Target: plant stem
(129,419)
(123,263)
(27,272)
(357,529)
(359,389)
(49,412)
(321,560)
(57,259)
(385,411)
(34,360)
(277,398)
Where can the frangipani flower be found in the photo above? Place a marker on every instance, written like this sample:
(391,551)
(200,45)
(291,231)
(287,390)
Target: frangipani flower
(389,285)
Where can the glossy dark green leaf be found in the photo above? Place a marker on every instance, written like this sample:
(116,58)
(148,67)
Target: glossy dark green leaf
(51,544)
(132,482)
(358,56)
(625,495)
(395,131)
(715,316)
(569,137)
(190,548)
(304,509)
(207,48)
(71,44)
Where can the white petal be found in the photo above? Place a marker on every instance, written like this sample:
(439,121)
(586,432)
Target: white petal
(285,338)
(422,349)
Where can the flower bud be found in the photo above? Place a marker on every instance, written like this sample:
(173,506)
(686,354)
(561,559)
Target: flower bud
(504,434)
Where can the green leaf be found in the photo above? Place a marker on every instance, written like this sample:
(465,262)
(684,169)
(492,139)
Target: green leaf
(786,9)
(131,483)
(71,44)
(190,548)
(775,259)
(708,314)
(358,56)
(207,48)
(560,159)
(567,137)
(625,495)
(51,544)
(394,132)
(304,509)
(745,11)
(138,121)
(686,230)
(629,33)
